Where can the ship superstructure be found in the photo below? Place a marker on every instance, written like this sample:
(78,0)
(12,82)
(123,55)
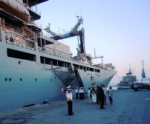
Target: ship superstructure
(34,67)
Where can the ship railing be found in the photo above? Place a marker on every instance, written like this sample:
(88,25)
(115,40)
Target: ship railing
(57,53)
(35,10)
(53,52)
(18,40)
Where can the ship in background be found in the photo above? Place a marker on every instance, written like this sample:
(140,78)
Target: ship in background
(34,67)
(127,80)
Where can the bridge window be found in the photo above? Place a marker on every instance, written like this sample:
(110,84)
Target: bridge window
(91,69)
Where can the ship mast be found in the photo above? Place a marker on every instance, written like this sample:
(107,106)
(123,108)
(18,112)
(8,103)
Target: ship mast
(130,72)
(96,57)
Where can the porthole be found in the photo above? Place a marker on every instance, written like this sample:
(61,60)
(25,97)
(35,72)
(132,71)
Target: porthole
(19,62)
(9,79)
(5,79)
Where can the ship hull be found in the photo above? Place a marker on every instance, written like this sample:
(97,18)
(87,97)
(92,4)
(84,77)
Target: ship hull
(26,82)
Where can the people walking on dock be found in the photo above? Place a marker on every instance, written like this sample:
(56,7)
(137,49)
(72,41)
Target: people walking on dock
(110,94)
(69,100)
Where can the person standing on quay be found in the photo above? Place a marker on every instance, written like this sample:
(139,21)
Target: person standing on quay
(77,92)
(110,93)
(93,93)
(69,100)
(80,93)
(89,94)
(101,96)
(105,93)
(97,95)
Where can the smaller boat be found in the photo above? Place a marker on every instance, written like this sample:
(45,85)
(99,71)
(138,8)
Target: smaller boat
(127,80)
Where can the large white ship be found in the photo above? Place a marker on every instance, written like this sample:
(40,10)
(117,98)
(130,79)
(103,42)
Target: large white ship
(34,67)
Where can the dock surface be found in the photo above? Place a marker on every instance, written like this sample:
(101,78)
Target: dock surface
(129,107)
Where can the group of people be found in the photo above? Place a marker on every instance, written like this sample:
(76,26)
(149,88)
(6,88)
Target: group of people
(99,94)
(79,93)
(11,39)
(95,94)
(69,96)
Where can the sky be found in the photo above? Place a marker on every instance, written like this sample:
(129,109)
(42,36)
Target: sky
(119,30)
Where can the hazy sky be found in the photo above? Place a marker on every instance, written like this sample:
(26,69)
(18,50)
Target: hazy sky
(119,30)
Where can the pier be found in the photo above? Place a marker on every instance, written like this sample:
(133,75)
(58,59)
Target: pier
(129,107)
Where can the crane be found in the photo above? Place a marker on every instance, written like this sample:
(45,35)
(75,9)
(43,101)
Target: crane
(73,32)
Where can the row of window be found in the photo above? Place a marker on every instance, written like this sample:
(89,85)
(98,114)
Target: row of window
(86,68)
(10,79)
(45,60)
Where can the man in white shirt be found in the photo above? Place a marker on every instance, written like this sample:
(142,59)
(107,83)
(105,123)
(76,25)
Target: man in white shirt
(110,93)
(69,100)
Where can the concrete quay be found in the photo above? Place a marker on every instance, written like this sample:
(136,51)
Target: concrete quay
(129,107)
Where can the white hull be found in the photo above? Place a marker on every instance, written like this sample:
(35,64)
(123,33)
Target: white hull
(31,82)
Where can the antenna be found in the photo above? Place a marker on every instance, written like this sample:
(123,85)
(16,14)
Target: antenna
(96,57)
(94,53)
(80,11)
(130,72)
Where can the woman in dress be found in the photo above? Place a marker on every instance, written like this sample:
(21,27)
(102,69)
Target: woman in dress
(93,93)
